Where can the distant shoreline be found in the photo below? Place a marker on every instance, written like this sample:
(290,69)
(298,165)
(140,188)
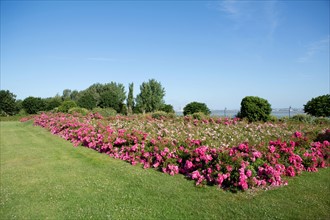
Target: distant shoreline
(279,113)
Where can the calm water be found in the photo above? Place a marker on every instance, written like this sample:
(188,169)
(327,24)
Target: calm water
(232,113)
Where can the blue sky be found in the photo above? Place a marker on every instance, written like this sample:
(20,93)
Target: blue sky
(216,52)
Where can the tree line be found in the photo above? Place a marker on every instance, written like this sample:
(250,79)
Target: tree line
(102,96)
(111,98)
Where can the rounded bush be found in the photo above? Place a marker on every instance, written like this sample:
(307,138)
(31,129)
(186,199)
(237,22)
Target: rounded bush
(195,107)
(319,106)
(66,105)
(79,110)
(254,108)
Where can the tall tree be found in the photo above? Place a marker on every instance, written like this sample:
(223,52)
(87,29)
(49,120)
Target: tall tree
(130,99)
(151,96)
(66,94)
(7,103)
(74,95)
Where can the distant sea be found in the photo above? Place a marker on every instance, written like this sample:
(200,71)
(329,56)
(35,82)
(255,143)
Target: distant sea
(279,113)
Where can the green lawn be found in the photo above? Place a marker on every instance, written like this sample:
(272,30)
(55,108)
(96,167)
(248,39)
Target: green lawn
(44,177)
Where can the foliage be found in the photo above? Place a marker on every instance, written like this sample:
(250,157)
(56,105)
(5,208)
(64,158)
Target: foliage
(79,110)
(198,115)
(105,112)
(151,96)
(167,108)
(195,107)
(130,99)
(87,100)
(66,95)
(318,106)
(112,95)
(53,102)
(255,108)
(7,103)
(302,118)
(74,95)
(32,105)
(66,105)
(159,115)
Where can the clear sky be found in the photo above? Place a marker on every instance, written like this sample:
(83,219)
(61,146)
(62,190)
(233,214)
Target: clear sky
(216,52)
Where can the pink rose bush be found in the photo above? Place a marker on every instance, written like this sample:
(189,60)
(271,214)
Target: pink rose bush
(195,148)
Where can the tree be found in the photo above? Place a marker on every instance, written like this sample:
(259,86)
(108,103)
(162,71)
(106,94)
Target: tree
(195,107)
(74,95)
(130,99)
(255,108)
(53,102)
(66,94)
(32,105)
(87,100)
(318,106)
(151,96)
(112,95)
(7,103)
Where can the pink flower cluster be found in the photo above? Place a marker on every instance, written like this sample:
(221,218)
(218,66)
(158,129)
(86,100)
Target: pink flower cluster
(238,167)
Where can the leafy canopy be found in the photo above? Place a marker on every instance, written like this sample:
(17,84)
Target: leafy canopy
(32,105)
(195,107)
(151,96)
(318,106)
(255,108)
(7,103)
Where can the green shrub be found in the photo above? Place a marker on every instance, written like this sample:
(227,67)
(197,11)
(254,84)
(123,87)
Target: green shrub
(254,108)
(319,106)
(87,100)
(66,105)
(273,118)
(32,105)
(321,120)
(195,107)
(302,118)
(105,112)
(79,110)
(159,115)
(198,115)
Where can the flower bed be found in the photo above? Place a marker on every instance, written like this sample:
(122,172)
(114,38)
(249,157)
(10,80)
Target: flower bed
(229,153)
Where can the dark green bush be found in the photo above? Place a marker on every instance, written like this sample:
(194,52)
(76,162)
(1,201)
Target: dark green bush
(8,104)
(319,106)
(195,107)
(254,108)
(66,105)
(167,108)
(32,105)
